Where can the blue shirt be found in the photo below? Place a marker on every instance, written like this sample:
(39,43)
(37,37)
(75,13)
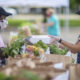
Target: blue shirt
(55,28)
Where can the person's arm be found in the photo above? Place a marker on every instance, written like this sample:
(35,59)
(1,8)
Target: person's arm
(73,47)
(49,24)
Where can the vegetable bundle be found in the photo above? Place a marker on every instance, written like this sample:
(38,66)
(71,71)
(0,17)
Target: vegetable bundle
(56,50)
(14,48)
(41,44)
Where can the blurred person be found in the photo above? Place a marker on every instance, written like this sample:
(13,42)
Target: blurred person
(3,25)
(75,48)
(52,23)
(23,33)
(44,14)
(36,27)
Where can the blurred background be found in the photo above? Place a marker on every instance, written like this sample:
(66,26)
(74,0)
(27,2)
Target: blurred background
(31,13)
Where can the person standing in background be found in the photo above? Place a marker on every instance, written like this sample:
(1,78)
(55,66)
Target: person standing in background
(3,25)
(52,23)
(74,48)
(44,14)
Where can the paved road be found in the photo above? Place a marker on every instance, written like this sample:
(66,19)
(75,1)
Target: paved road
(40,17)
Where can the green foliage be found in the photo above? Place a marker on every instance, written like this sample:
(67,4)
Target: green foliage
(18,23)
(14,48)
(30,75)
(36,53)
(73,60)
(28,23)
(74,4)
(4,77)
(41,44)
(72,23)
(55,50)
(24,75)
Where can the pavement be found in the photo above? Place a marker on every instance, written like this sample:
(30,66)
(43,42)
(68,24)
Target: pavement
(40,17)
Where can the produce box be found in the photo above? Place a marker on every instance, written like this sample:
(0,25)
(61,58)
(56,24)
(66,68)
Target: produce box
(46,71)
(74,72)
(58,59)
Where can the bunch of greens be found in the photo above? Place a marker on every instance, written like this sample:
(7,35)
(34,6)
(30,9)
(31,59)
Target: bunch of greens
(41,44)
(56,50)
(30,76)
(4,77)
(23,75)
(14,48)
(36,53)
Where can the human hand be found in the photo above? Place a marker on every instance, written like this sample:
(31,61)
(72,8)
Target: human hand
(54,39)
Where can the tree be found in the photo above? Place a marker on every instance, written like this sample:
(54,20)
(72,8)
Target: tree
(74,4)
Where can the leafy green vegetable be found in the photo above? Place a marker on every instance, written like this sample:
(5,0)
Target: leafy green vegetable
(4,77)
(30,75)
(55,50)
(14,48)
(41,44)
(23,75)
(36,53)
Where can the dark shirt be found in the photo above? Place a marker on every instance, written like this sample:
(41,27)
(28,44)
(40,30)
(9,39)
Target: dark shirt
(78,55)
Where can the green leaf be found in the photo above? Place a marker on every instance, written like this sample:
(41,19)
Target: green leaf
(30,75)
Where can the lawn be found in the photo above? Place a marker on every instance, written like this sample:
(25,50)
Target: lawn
(18,23)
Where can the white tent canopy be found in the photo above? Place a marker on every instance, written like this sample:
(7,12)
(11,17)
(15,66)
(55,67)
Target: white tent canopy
(47,3)
(10,3)
(35,3)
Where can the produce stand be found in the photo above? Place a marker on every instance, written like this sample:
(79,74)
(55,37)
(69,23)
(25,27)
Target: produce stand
(43,70)
(31,58)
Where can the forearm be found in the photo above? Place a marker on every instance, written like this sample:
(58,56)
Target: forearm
(72,47)
(48,24)
(75,48)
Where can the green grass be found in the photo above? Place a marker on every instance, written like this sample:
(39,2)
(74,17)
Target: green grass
(72,23)
(18,23)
